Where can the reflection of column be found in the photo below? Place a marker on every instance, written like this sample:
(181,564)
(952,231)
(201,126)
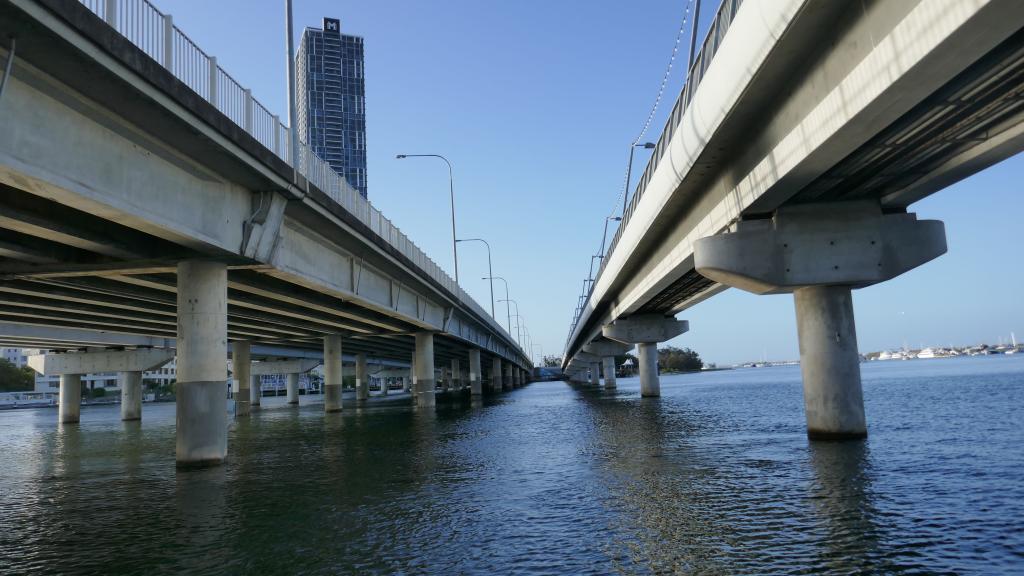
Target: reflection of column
(201,364)
(841,496)
(293,388)
(70,398)
(332,373)
(201,503)
(131,395)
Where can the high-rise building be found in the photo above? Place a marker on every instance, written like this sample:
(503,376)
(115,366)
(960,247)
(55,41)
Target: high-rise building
(331,99)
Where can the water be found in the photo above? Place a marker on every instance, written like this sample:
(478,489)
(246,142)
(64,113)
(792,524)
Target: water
(714,477)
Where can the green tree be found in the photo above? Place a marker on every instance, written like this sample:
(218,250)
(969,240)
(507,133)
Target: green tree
(14,379)
(674,359)
(552,361)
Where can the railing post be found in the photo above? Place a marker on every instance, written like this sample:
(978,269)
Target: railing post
(248,111)
(168,42)
(276,124)
(110,14)
(213,81)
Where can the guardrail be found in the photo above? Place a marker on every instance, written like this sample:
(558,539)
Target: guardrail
(713,39)
(154,32)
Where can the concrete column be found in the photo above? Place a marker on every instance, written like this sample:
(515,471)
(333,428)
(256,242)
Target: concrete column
(475,375)
(384,382)
(609,372)
(425,369)
(496,375)
(332,373)
(519,377)
(595,373)
(457,382)
(409,385)
(201,366)
(446,378)
(241,368)
(507,381)
(362,378)
(293,388)
(647,356)
(70,405)
(830,363)
(131,395)
(256,391)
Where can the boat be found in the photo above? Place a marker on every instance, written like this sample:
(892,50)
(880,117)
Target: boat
(885,355)
(926,353)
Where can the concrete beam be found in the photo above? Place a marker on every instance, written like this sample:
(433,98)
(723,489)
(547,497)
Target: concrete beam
(96,362)
(836,244)
(607,348)
(646,328)
(296,366)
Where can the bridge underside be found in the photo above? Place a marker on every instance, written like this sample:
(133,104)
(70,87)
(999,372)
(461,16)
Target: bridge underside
(971,123)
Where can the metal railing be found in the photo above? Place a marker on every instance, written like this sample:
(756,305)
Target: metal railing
(154,32)
(701,62)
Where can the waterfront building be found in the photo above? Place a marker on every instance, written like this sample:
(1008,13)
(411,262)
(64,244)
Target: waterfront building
(15,356)
(331,99)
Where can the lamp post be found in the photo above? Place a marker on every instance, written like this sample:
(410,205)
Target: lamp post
(451,192)
(518,336)
(604,236)
(535,347)
(489,272)
(629,171)
(506,301)
(293,128)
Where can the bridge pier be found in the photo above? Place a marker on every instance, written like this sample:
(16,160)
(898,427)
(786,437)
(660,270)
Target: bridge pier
(362,381)
(255,392)
(609,372)
(495,374)
(293,388)
(646,331)
(507,382)
(241,368)
(131,394)
(202,373)
(425,369)
(70,402)
(820,252)
(332,373)
(456,374)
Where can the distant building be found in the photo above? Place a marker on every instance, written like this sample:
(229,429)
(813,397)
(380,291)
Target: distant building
(331,99)
(15,356)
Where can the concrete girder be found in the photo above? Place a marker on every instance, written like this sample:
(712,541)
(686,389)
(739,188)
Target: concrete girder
(587,358)
(607,348)
(838,244)
(96,362)
(645,329)
(296,366)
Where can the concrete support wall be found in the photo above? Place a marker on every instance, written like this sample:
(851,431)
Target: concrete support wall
(131,395)
(332,373)
(293,388)
(647,356)
(830,363)
(496,384)
(609,372)
(255,391)
(425,369)
(241,377)
(362,378)
(506,383)
(70,405)
(595,373)
(201,367)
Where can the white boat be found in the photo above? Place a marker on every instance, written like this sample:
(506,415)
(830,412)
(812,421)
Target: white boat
(885,355)
(926,353)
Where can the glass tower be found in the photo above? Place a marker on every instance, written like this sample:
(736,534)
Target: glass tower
(331,100)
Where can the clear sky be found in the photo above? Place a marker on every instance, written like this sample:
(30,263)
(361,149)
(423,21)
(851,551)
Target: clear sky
(535,103)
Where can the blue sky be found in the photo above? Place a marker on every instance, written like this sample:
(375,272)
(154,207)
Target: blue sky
(535,104)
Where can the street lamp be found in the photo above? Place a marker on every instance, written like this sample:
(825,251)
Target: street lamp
(605,235)
(629,171)
(534,347)
(489,272)
(451,192)
(516,315)
(519,326)
(509,313)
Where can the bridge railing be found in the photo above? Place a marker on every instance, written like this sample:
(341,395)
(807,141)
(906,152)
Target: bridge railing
(709,47)
(154,32)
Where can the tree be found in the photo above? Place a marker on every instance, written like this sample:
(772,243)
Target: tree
(552,361)
(674,359)
(14,379)
(621,359)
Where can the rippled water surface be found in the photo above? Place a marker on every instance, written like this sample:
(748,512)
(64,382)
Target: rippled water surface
(714,477)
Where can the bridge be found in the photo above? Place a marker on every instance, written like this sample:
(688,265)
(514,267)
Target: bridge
(150,207)
(804,133)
